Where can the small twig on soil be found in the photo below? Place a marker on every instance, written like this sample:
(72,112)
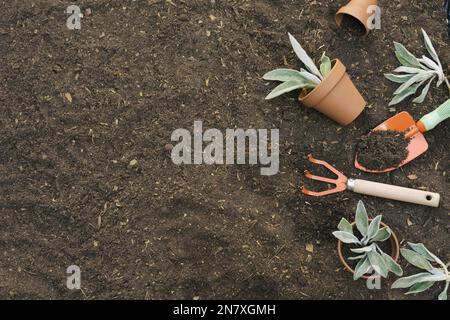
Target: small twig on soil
(171,2)
(29,272)
(426,222)
(276,253)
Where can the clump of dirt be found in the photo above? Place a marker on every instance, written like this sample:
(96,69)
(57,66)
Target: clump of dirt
(380,150)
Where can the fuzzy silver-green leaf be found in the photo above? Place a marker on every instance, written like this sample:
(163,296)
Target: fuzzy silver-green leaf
(346,226)
(382,235)
(310,77)
(283,75)
(424,252)
(416,259)
(404,94)
(408,69)
(361,268)
(289,74)
(420,287)
(363,249)
(407,282)
(356,257)
(374,227)
(398,78)
(423,94)
(430,47)
(303,56)
(404,56)
(443,294)
(361,218)
(422,76)
(286,87)
(325,65)
(430,64)
(346,237)
(378,263)
(392,265)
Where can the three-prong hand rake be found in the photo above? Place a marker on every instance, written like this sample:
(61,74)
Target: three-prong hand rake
(370,188)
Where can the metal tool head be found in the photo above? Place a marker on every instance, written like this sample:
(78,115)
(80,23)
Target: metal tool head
(340,182)
(402,122)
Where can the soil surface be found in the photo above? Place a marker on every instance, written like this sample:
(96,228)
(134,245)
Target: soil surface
(381,150)
(86,176)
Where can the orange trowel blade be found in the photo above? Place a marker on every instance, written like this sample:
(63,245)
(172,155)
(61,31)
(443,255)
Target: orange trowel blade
(402,122)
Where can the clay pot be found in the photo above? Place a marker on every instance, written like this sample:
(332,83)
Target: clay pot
(336,96)
(358,9)
(395,250)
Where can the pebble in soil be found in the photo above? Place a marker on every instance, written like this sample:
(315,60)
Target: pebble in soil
(381,150)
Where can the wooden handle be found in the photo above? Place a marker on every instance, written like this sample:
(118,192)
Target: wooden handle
(393,192)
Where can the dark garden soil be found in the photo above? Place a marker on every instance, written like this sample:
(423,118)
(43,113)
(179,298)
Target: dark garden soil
(86,176)
(381,150)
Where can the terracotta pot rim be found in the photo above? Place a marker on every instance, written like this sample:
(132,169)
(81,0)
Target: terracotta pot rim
(395,247)
(346,12)
(353,9)
(336,73)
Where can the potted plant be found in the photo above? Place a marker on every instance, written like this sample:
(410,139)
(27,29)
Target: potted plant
(370,256)
(416,72)
(422,258)
(328,90)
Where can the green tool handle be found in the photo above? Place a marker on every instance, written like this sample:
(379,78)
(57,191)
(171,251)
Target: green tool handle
(435,117)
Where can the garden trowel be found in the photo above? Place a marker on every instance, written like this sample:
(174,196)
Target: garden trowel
(404,122)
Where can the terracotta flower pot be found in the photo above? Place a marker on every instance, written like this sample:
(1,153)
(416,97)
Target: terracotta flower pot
(336,96)
(359,9)
(395,250)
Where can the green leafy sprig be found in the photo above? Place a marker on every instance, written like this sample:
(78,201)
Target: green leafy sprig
(416,72)
(422,258)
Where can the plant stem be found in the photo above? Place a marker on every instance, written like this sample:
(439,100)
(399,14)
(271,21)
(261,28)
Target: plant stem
(447,83)
(446,270)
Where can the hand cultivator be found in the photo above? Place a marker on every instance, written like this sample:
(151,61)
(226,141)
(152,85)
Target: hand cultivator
(370,188)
